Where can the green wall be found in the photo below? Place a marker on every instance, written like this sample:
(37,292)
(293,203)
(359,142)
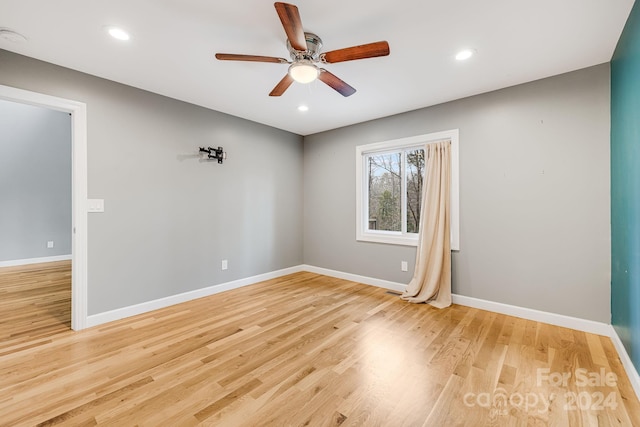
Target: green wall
(625,187)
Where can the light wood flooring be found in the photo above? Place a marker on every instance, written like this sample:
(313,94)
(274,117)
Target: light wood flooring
(35,302)
(302,350)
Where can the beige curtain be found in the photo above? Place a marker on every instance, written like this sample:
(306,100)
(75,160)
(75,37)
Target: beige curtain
(431,281)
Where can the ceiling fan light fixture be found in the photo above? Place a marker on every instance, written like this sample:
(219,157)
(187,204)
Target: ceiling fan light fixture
(304,49)
(303,71)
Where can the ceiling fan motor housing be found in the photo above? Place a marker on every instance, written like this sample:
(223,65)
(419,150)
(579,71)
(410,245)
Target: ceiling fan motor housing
(314,44)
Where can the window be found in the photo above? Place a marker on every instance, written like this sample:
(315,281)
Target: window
(389,179)
(395,189)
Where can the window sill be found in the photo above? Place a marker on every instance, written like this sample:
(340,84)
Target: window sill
(388,239)
(394,240)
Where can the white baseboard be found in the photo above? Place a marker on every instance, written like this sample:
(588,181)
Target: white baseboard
(511,310)
(632,373)
(576,323)
(385,284)
(121,313)
(18,262)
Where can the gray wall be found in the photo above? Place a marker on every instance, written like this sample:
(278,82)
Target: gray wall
(534,188)
(170,219)
(534,195)
(35,182)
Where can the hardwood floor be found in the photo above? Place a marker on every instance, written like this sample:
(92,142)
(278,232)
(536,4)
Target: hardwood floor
(311,350)
(35,302)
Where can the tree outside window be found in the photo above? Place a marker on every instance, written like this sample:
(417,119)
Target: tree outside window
(395,190)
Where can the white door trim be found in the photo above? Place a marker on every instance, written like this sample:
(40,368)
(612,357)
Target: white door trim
(78,112)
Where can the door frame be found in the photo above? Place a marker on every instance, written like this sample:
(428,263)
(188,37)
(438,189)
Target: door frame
(78,111)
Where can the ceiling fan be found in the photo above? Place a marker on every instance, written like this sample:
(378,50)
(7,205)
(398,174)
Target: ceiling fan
(304,48)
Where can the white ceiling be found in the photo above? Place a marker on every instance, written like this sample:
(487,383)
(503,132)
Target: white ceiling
(173,43)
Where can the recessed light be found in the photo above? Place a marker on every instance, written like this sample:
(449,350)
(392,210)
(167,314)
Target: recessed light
(303,108)
(118,33)
(465,54)
(11,36)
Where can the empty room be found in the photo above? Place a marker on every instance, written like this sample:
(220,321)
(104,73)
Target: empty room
(320,213)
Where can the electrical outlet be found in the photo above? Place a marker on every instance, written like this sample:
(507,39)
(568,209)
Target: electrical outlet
(404,266)
(50,244)
(225,265)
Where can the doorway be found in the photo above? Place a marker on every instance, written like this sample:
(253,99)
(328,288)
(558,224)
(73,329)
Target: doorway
(78,191)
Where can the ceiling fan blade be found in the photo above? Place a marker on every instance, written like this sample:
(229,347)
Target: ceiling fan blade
(253,58)
(290,18)
(370,50)
(331,80)
(282,85)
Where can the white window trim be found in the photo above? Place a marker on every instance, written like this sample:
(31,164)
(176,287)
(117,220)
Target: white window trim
(397,238)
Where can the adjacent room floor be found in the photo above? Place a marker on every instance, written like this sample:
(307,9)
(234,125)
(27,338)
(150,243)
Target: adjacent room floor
(35,302)
(303,349)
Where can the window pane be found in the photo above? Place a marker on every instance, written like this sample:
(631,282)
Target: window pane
(385,194)
(415,179)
